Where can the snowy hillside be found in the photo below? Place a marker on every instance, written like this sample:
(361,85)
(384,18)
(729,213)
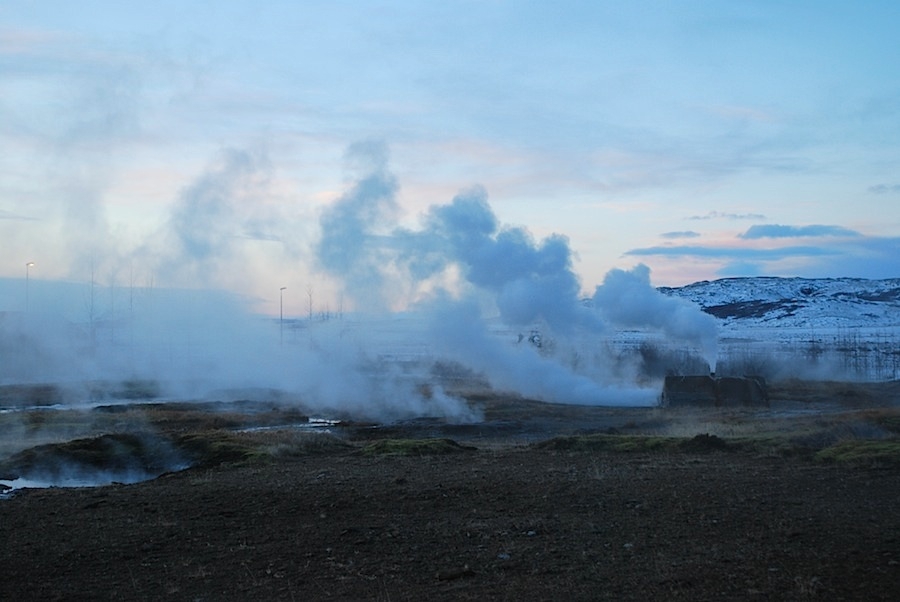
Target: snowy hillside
(827,303)
(827,328)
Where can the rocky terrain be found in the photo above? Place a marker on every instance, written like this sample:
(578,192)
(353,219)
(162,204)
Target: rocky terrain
(794,501)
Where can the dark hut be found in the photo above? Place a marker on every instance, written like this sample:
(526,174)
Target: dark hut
(711,391)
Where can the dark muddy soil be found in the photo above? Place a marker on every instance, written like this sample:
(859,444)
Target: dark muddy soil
(492,513)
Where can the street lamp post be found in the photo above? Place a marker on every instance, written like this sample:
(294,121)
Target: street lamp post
(27,276)
(281,313)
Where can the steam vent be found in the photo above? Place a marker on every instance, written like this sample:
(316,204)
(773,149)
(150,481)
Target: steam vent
(712,391)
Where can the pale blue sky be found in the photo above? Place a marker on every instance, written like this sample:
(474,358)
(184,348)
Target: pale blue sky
(703,139)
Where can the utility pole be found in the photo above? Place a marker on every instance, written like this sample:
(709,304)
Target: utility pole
(281,313)
(28,267)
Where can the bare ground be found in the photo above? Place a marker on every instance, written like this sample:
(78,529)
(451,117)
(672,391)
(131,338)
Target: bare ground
(508,513)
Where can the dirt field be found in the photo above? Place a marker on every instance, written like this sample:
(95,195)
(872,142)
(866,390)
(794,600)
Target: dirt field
(796,502)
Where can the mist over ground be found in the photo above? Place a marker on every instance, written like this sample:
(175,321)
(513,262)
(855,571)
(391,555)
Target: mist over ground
(461,288)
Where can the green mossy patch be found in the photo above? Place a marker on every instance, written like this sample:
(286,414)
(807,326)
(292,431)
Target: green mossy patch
(701,443)
(884,452)
(615,443)
(115,452)
(212,448)
(414,447)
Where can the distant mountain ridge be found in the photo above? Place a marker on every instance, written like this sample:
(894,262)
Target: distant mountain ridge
(796,302)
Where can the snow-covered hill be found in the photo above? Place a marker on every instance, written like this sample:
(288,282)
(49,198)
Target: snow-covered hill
(835,328)
(827,303)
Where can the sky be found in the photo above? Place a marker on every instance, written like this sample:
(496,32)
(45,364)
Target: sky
(208,144)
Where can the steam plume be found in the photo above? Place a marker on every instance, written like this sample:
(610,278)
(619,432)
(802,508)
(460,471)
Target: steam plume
(494,270)
(626,298)
(470,287)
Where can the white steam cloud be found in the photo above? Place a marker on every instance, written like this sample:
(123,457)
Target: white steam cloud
(461,287)
(497,273)
(628,299)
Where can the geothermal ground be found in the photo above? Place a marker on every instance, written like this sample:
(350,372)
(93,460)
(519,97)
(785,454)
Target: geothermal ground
(796,501)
